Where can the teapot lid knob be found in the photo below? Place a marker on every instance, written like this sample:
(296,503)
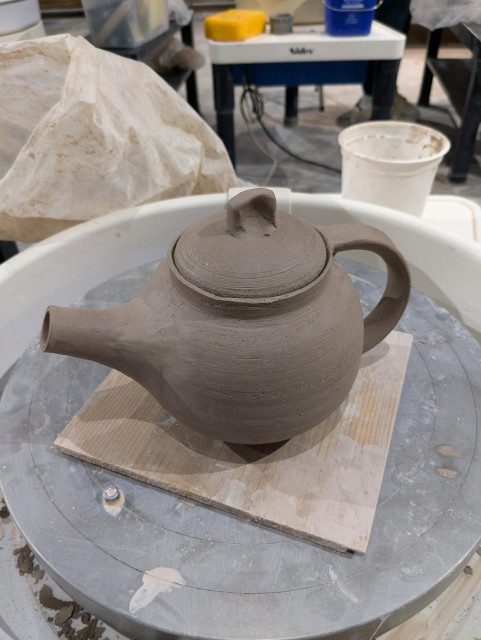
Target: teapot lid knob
(252,212)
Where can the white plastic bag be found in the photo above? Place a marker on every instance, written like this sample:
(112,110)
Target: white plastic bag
(85,132)
(436,14)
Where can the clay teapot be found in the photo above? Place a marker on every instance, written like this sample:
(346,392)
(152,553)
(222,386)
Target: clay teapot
(248,331)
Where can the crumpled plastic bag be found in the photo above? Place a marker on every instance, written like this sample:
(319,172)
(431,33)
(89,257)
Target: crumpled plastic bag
(85,132)
(436,14)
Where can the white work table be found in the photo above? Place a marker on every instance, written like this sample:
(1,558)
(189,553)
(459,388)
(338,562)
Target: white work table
(306,56)
(310,43)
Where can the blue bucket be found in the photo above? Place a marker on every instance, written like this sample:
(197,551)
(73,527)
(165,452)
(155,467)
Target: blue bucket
(349,17)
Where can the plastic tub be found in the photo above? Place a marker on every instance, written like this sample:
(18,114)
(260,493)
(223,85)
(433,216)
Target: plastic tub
(281,23)
(18,15)
(349,17)
(304,11)
(392,164)
(124,24)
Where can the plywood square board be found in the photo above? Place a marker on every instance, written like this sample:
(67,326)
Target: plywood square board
(322,485)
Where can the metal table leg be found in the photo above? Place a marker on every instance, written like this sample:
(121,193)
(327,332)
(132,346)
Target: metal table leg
(434,40)
(191,82)
(290,109)
(466,138)
(384,88)
(223,76)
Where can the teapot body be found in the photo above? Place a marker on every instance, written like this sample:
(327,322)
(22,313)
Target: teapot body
(260,374)
(248,331)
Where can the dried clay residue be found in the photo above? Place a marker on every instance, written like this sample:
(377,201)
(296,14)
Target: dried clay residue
(447,473)
(341,588)
(85,627)
(154,582)
(4,512)
(26,563)
(115,508)
(66,612)
(448,451)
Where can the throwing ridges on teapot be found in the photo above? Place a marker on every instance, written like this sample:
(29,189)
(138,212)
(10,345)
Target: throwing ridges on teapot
(248,331)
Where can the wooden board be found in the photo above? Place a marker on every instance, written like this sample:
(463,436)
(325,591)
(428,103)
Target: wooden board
(322,485)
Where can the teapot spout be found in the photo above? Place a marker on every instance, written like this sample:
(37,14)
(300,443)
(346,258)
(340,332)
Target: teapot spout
(90,334)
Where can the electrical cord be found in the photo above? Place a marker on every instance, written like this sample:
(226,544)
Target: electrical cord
(249,118)
(256,109)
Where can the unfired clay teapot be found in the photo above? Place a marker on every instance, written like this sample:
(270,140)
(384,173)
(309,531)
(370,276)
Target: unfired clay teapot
(248,331)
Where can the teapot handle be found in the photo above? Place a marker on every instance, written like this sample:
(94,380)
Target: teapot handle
(385,315)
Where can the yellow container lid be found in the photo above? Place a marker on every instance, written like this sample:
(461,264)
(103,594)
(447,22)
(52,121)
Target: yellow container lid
(235,24)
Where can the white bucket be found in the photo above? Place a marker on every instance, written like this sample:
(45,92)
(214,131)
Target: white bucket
(391,163)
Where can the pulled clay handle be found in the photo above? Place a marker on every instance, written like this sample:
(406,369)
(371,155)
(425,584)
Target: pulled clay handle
(385,315)
(252,212)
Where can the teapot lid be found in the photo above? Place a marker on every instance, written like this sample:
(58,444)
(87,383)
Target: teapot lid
(250,250)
